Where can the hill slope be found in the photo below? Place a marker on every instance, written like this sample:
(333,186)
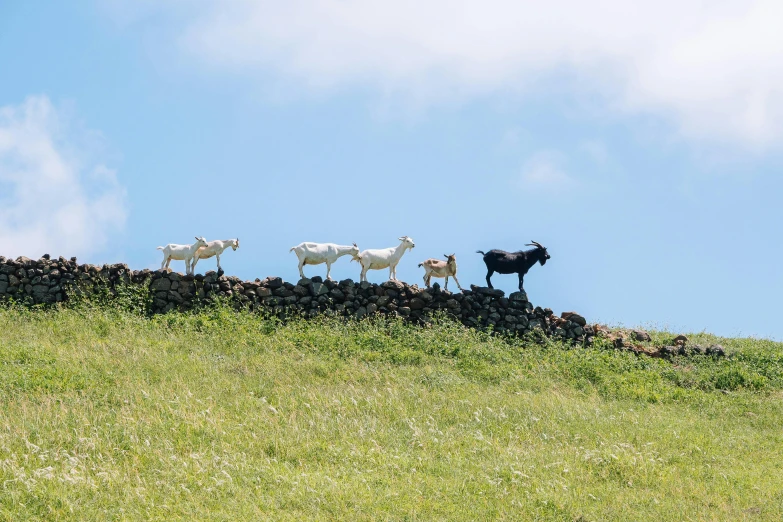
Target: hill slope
(226,416)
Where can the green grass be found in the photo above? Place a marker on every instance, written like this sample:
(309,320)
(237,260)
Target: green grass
(108,415)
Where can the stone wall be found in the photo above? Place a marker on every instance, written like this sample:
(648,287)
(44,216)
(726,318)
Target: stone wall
(55,280)
(48,281)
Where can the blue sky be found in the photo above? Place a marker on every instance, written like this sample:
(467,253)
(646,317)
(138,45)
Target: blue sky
(643,149)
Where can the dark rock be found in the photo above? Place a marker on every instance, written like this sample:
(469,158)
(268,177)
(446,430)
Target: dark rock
(680,339)
(282,292)
(641,336)
(160,285)
(417,304)
(320,289)
(483,290)
(716,349)
(570,316)
(517,296)
(393,285)
(272,282)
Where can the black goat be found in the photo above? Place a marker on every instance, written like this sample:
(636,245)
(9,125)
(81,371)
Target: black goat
(520,262)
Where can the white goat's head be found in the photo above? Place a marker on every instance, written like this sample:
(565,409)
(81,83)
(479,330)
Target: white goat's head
(234,243)
(354,252)
(407,242)
(201,242)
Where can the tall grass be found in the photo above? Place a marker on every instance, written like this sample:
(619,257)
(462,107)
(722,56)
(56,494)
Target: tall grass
(220,415)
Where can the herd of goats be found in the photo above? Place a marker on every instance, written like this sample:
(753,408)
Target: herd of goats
(498,261)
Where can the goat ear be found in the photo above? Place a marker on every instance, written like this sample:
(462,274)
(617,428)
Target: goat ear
(446,256)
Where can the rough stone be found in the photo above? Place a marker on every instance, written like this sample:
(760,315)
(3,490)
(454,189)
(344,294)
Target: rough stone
(485,291)
(570,316)
(417,304)
(160,284)
(273,282)
(518,296)
(641,336)
(320,289)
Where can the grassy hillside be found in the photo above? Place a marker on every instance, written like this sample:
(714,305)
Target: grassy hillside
(225,416)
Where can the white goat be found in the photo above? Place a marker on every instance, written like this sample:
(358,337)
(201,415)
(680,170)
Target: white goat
(214,249)
(438,268)
(317,253)
(382,258)
(181,253)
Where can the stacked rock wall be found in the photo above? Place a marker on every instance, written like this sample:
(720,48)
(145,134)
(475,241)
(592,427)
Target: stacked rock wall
(47,281)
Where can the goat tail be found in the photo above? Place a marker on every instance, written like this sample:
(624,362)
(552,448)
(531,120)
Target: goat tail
(159,248)
(480,252)
(421,265)
(291,249)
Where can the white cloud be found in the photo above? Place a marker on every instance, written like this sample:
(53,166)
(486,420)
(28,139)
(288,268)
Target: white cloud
(50,201)
(543,171)
(711,66)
